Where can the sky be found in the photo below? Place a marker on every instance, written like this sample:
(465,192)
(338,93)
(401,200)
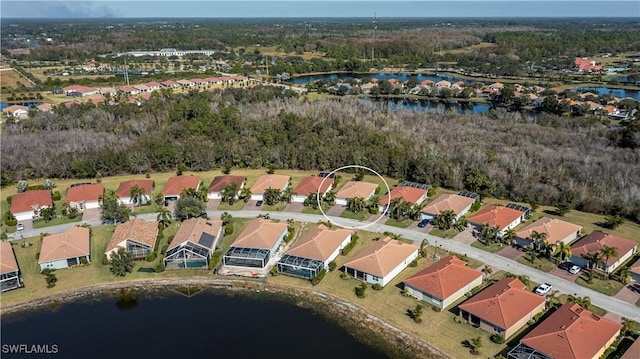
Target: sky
(314,8)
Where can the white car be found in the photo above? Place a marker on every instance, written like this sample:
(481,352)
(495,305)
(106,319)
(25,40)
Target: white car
(19,227)
(543,289)
(574,269)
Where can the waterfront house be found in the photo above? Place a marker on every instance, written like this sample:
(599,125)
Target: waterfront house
(444,282)
(124,191)
(312,185)
(85,196)
(175,185)
(554,229)
(635,271)
(460,205)
(80,91)
(45,107)
(264,182)
(257,244)
(411,192)
(571,332)
(219,183)
(381,261)
(501,217)
(136,236)
(353,189)
(26,205)
(108,90)
(597,240)
(502,308)
(169,83)
(16,112)
(194,243)
(9,270)
(585,64)
(314,251)
(66,249)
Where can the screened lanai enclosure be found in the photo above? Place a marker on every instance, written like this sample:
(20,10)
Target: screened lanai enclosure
(300,266)
(189,255)
(247,257)
(10,280)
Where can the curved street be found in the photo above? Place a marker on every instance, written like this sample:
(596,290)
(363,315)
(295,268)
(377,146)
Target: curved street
(611,304)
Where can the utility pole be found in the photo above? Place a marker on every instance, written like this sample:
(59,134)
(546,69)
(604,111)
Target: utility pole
(375,30)
(126,72)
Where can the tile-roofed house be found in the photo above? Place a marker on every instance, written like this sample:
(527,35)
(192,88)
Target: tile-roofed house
(311,185)
(635,271)
(585,64)
(427,83)
(45,107)
(633,352)
(502,308)
(460,205)
(137,237)
(555,229)
(571,332)
(199,81)
(381,261)
(366,88)
(219,183)
(405,193)
(444,282)
(496,86)
(85,196)
(280,182)
(142,88)
(9,270)
(153,85)
(194,243)
(169,83)
(497,216)
(124,190)
(80,91)
(314,251)
(257,243)
(185,83)
(443,83)
(175,185)
(26,205)
(353,189)
(108,90)
(129,90)
(595,241)
(16,111)
(66,249)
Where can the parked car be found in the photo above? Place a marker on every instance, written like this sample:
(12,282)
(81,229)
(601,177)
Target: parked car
(543,289)
(259,203)
(423,223)
(574,269)
(565,265)
(19,227)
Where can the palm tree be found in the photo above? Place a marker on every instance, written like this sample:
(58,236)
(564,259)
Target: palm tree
(287,194)
(538,239)
(509,236)
(225,218)
(607,252)
(563,250)
(189,192)
(625,275)
(553,299)
(594,260)
(137,195)
(444,220)
(584,302)
(229,193)
(394,208)
(423,247)
(416,211)
(245,194)
(461,224)
(164,218)
(356,204)
(488,233)
(272,196)
(487,270)
(330,198)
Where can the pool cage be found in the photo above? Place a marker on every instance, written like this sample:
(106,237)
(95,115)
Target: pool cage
(300,266)
(523,351)
(188,255)
(247,257)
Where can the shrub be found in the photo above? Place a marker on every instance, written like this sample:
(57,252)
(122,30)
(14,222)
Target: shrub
(37,255)
(414,263)
(56,196)
(290,235)
(349,246)
(228,229)
(105,260)
(159,268)
(497,338)
(332,266)
(345,275)
(151,257)
(147,175)
(374,209)
(316,279)
(376,286)
(84,261)
(274,271)
(361,290)
(475,206)
(9,199)
(163,250)
(215,260)
(10,222)
(35,187)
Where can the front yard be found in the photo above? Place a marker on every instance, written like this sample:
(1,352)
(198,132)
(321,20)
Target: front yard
(542,264)
(609,287)
(401,224)
(490,247)
(361,216)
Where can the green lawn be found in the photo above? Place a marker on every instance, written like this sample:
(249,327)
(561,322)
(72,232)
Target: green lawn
(237,206)
(60,219)
(351,215)
(401,224)
(492,248)
(542,264)
(608,287)
(449,233)
(276,207)
(152,208)
(309,210)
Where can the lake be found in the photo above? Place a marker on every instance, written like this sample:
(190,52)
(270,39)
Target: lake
(380,76)
(171,325)
(395,104)
(4,105)
(613,92)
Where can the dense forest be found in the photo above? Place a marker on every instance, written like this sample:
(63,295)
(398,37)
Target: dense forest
(544,160)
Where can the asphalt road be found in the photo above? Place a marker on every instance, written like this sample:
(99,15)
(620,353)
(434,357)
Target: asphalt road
(611,304)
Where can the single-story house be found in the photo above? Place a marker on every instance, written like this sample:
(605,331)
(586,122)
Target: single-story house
(413,193)
(256,244)
(314,251)
(153,85)
(571,332)
(501,217)
(444,282)
(124,190)
(502,308)
(381,261)
(108,90)
(175,185)
(85,196)
(460,205)
(311,185)
(194,243)
(633,352)
(45,107)
(16,111)
(219,183)
(26,205)
(264,182)
(80,91)
(595,241)
(66,249)
(137,237)
(9,270)
(556,231)
(129,90)
(169,83)
(353,189)
(142,88)
(635,271)
(185,83)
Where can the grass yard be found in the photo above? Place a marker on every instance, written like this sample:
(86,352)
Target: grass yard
(449,233)
(309,210)
(352,215)
(401,224)
(236,206)
(60,219)
(609,287)
(276,207)
(492,248)
(542,264)
(150,208)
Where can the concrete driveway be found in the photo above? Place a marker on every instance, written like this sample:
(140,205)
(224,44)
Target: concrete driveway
(251,205)
(212,204)
(565,274)
(510,252)
(335,211)
(465,236)
(630,293)
(294,207)
(91,214)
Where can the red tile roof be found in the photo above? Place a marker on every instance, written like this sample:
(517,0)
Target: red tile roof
(71,243)
(319,243)
(555,229)
(124,189)
(220,182)
(265,182)
(448,202)
(85,192)
(595,241)
(79,88)
(382,256)
(8,263)
(137,230)
(176,184)
(497,216)
(444,278)
(31,200)
(260,233)
(572,332)
(406,193)
(312,184)
(503,303)
(192,230)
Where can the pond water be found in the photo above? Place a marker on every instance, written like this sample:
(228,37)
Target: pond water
(171,325)
(613,92)
(380,76)
(4,105)
(395,104)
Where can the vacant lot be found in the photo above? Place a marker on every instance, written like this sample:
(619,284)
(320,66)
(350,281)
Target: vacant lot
(9,79)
